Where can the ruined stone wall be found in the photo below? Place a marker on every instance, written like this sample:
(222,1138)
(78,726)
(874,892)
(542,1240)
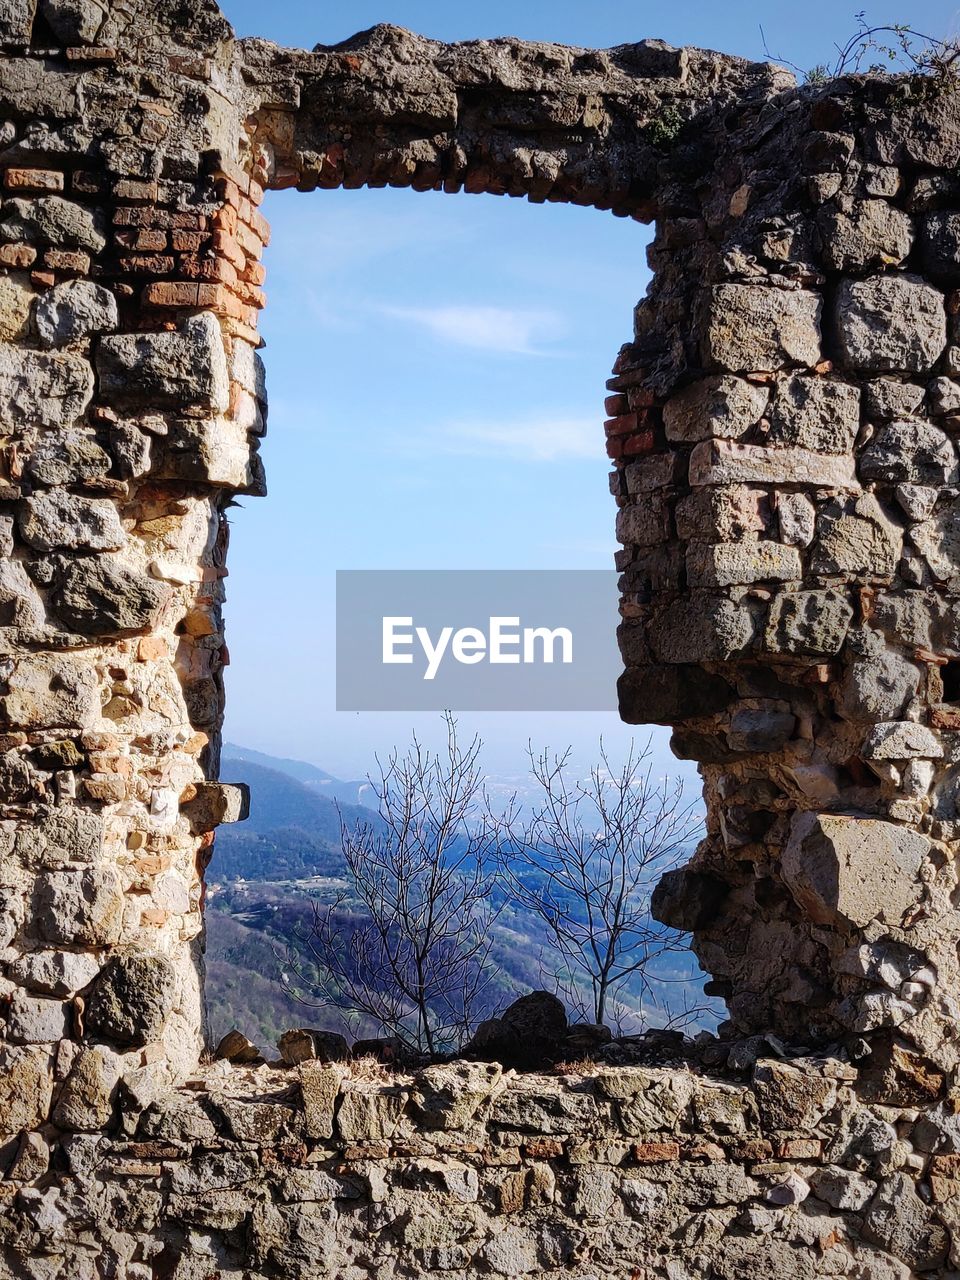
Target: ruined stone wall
(463,1171)
(784,427)
(786,476)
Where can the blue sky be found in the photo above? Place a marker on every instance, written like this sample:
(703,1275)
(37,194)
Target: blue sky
(436,370)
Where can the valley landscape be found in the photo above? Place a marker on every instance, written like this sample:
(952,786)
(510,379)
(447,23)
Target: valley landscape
(268,873)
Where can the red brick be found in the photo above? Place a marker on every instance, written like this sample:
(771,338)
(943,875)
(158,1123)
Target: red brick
(656,1152)
(172,293)
(615,405)
(134,189)
(17,255)
(189,241)
(641,442)
(622,425)
(543,1148)
(149,239)
(800,1149)
(254,273)
(43,279)
(92,53)
(944,717)
(209,268)
(33,180)
(154,264)
(62,260)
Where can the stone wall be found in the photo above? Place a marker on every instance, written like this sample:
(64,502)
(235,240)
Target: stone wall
(786,477)
(784,427)
(462,1171)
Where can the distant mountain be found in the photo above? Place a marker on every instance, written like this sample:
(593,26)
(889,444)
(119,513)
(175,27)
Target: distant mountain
(292,832)
(316,780)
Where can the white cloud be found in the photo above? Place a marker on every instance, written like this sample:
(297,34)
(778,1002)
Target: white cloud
(513,330)
(526,439)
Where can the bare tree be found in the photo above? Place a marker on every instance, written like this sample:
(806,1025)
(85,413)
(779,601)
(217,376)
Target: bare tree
(587,864)
(414,955)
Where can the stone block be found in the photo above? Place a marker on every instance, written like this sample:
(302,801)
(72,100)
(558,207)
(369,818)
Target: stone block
(722,513)
(215,804)
(102,596)
(73,311)
(54,221)
(132,998)
(670,694)
(817,413)
(74,22)
(855,539)
(55,520)
(40,389)
(796,519)
(874,233)
(901,740)
(79,907)
(26,1087)
(33,1020)
(85,1103)
(721,407)
(55,973)
(916,453)
(726,462)
(855,870)
(52,691)
(895,323)
(878,687)
(808,622)
(184,369)
(752,328)
(742,563)
(16,304)
(700,628)
(760,729)
(16,21)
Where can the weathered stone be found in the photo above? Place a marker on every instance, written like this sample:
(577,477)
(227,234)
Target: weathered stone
(103,596)
(854,869)
(842,1189)
(938,541)
(821,414)
(855,538)
(51,690)
(791,1099)
(901,740)
(721,513)
(319,1088)
(660,471)
(750,327)
(449,1097)
(55,973)
(215,804)
(895,323)
(38,389)
(886,399)
(35,1021)
(78,907)
(237,1048)
(73,311)
(16,304)
(760,729)
(366,1116)
(131,998)
(32,1160)
(873,234)
(302,1045)
(57,519)
(726,462)
(727,564)
(688,899)
(670,693)
(878,687)
(69,457)
(85,1103)
(74,21)
(940,247)
(182,369)
(643,523)
(910,452)
(897,1219)
(16,21)
(26,1087)
(810,622)
(722,407)
(700,628)
(54,220)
